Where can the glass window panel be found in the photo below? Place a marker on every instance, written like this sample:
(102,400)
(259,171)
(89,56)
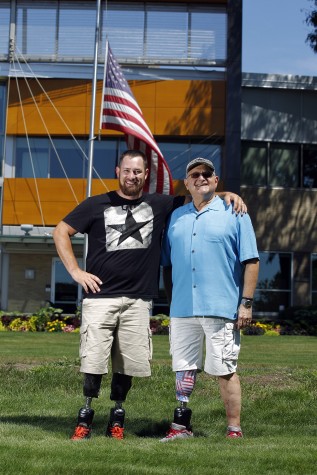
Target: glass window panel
(314,272)
(4,27)
(310,167)
(70,161)
(105,158)
(65,289)
(166,31)
(208,35)
(178,155)
(253,164)
(36,27)
(120,19)
(1,155)
(2,106)
(210,151)
(34,164)
(271,301)
(284,166)
(76,33)
(275,271)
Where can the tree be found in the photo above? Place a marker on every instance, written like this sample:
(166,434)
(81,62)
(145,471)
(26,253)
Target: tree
(311,20)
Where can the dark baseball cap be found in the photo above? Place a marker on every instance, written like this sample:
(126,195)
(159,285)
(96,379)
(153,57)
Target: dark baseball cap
(200,161)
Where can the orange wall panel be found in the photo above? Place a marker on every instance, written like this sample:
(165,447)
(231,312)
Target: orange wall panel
(21,199)
(21,202)
(169,107)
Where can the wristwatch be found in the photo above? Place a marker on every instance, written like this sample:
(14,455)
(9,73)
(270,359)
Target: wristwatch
(246,302)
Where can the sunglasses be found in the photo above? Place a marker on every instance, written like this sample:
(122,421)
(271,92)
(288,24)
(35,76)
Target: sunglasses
(205,175)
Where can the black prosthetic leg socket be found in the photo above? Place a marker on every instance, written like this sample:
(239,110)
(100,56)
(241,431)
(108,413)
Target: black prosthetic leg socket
(182,416)
(117,416)
(85,416)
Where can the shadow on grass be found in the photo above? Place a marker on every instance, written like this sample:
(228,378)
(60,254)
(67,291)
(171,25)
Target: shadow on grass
(65,425)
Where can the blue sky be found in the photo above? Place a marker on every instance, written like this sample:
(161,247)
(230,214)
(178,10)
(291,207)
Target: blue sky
(274,34)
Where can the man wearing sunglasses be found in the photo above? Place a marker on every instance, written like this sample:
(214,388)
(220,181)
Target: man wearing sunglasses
(124,229)
(211,266)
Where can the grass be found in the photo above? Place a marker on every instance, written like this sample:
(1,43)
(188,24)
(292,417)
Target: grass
(41,392)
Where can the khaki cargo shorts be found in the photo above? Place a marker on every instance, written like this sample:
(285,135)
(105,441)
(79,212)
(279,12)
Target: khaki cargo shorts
(118,326)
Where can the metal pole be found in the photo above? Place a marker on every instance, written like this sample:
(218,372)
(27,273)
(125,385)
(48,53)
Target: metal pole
(92,118)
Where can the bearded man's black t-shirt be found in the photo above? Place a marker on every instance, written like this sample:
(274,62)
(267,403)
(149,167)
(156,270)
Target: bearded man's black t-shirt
(124,241)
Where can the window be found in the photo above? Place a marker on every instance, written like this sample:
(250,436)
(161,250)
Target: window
(106,153)
(310,166)
(63,158)
(36,28)
(69,161)
(170,33)
(34,164)
(284,165)
(177,155)
(4,27)
(275,165)
(65,292)
(253,164)
(314,279)
(274,285)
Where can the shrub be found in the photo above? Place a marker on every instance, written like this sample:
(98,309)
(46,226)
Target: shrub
(159,324)
(259,328)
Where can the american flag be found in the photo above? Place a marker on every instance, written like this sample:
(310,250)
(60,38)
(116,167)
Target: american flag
(121,112)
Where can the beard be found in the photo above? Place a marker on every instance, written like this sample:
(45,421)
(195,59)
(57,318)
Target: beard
(133,189)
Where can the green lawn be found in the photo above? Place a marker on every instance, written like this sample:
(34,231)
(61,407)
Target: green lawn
(41,392)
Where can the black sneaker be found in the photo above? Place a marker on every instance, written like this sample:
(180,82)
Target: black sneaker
(82,431)
(115,430)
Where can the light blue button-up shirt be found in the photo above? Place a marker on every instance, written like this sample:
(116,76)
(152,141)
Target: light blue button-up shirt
(206,250)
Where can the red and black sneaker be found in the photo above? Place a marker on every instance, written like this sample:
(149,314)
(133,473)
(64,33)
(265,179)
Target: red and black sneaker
(82,431)
(115,431)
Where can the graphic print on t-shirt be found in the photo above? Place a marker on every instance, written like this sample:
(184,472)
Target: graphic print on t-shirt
(128,227)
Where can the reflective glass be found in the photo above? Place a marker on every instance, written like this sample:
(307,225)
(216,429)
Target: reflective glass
(70,161)
(271,301)
(284,166)
(76,32)
(36,27)
(178,155)
(2,106)
(275,271)
(116,21)
(1,155)
(166,32)
(105,158)
(208,39)
(310,167)
(253,164)
(32,160)
(314,272)
(4,27)
(273,291)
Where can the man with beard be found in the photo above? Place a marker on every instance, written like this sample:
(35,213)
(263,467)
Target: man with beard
(124,228)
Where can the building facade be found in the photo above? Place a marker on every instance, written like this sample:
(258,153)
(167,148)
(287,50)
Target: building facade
(279,183)
(183,63)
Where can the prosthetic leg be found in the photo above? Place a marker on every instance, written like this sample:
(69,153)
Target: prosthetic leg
(92,383)
(120,386)
(180,427)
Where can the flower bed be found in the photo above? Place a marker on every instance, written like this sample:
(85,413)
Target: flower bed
(50,319)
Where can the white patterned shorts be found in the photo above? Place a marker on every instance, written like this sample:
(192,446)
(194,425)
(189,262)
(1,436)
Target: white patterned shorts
(222,341)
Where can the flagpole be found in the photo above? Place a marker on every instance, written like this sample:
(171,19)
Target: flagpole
(92,118)
(103,84)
